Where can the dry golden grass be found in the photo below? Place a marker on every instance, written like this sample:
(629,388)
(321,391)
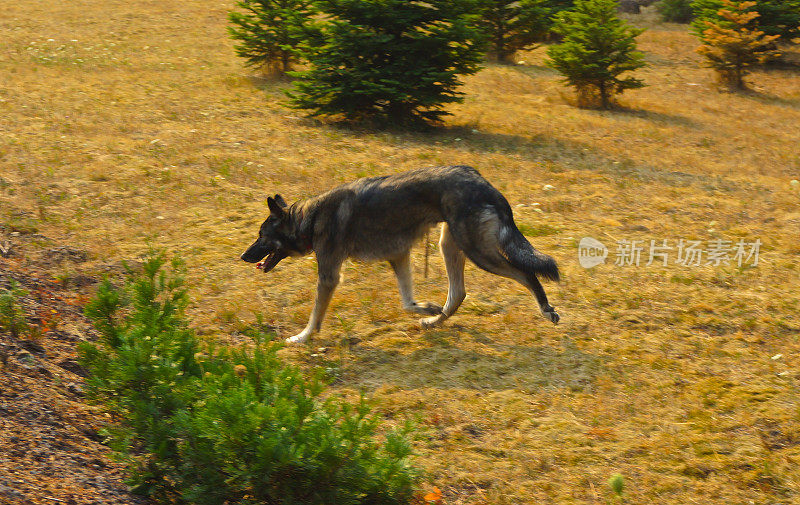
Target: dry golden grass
(127,123)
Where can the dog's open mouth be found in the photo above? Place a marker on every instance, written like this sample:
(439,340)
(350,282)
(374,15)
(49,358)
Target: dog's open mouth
(270,261)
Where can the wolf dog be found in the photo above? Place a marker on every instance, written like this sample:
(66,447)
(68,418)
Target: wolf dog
(380,218)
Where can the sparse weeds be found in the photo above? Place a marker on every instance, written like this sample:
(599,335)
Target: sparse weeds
(73,52)
(12,316)
(256,329)
(539,230)
(21,224)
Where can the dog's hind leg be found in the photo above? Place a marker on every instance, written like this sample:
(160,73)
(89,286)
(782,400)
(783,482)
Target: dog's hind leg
(525,265)
(536,288)
(454,263)
(527,279)
(328,280)
(402,269)
(512,257)
(497,264)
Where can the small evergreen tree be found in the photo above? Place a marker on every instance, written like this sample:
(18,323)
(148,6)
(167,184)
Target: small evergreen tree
(12,316)
(270,31)
(389,61)
(597,49)
(731,44)
(206,425)
(775,17)
(675,11)
(779,17)
(513,25)
(557,6)
(705,10)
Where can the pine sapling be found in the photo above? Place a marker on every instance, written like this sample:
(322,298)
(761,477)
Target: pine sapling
(597,48)
(269,32)
(732,43)
(389,62)
(12,316)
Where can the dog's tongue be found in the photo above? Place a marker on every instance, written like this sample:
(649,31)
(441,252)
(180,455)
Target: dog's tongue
(270,261)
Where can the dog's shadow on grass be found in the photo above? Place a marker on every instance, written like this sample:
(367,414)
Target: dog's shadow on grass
(450,367)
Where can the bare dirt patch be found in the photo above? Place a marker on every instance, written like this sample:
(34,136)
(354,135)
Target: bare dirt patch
(50,441)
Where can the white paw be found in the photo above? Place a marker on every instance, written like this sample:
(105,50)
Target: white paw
(429,322)
(427,308)
(551,315)
(299,338)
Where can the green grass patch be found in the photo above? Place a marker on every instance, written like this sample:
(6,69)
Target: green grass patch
(541,230)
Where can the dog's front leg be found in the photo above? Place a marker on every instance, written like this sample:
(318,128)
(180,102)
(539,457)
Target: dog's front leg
(328,280)
(402,269)
(454,264)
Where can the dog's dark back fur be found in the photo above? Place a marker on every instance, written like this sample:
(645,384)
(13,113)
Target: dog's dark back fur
(352,220)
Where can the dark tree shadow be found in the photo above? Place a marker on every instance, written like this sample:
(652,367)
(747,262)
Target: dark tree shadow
(656,117)
(448,366)
(267,80)
(536,70)
(767,99)
(559,152)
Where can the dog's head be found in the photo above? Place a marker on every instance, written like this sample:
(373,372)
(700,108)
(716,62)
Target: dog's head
(274,237)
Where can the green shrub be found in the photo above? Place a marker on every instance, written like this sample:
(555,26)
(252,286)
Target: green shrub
(779,17)
(516,25)
(12,317)
(224,425)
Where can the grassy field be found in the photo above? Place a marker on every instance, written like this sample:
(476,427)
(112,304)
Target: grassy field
(124,124)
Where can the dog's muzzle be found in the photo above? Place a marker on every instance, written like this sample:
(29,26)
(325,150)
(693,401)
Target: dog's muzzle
(270,261)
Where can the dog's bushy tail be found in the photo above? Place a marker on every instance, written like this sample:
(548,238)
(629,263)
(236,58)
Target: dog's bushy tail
(522,255)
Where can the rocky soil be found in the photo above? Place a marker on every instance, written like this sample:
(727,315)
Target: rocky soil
(51,449)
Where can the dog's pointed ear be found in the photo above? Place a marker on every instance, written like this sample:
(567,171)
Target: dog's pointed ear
(280,201)
(275,208)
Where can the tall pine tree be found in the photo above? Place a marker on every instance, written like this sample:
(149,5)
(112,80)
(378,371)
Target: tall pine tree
(389,62)
(597,49)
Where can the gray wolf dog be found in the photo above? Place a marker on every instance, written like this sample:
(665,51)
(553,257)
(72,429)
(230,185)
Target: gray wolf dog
(380,218)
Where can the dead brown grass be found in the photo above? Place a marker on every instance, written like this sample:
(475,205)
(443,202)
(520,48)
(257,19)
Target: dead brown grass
(126,123)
